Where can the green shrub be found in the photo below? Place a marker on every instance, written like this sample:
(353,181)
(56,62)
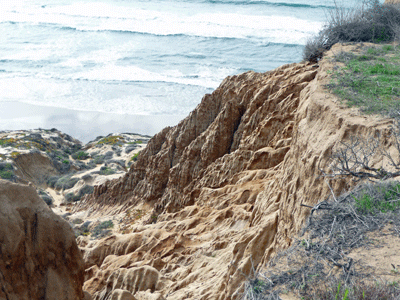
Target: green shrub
(101,229)
(65,182)
(77,221)
(6,166)
(6,175)
(71,197)
(6,171)
(47,199)
(80,155)
(7,142)
(51,182)
(87,189)
(105,225)
(98,160)
(106,171)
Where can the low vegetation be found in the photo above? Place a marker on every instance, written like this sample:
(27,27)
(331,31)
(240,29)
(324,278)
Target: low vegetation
(85,190)
(103,229)
(334,290)
(26,142)
(15,154)
(369,80)
(112,140)
(62,183)
(80,155)
(106,171)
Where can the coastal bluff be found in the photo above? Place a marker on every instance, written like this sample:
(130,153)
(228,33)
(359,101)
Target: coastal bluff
(216,196)
(190,213)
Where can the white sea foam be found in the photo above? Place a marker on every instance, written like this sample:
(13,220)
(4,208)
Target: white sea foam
(107,17)
(205,78)
(89,96)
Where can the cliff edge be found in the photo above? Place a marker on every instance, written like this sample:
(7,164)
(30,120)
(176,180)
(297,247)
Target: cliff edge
(222,191)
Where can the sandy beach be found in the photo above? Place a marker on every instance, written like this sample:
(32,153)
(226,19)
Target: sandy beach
(82,125)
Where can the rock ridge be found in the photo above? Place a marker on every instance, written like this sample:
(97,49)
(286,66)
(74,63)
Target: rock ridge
(214,129)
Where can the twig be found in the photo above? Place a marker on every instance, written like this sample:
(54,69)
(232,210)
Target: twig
(333,194)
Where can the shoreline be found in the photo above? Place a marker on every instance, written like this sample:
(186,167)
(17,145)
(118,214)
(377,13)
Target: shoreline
(82,125)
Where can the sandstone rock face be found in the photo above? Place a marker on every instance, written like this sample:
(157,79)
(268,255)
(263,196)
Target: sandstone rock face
(224,188)
(392,1)
(39,258)
(35,167)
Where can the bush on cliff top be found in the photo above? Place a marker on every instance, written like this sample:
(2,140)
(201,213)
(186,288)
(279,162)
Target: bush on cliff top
(372,22)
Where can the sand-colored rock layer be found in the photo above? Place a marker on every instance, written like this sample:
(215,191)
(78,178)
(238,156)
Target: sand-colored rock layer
(39,258)
(225,186)
(392,1)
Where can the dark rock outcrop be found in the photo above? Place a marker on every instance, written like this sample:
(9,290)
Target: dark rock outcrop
(39,258)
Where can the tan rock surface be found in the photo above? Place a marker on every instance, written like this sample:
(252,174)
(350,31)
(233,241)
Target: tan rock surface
(35,167)
(39,258)
(392,1)
(223,189)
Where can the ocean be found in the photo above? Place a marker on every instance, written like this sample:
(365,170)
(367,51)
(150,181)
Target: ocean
(138,58)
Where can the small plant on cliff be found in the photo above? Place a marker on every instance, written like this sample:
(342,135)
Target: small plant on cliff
(15,154)
(371,22)
(135,156)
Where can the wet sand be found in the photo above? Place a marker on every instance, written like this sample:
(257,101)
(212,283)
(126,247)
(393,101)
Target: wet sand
(82,125)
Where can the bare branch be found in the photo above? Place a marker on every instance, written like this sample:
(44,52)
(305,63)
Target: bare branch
(355,159)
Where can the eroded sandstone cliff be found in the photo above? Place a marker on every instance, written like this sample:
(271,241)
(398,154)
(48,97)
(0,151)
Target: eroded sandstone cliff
(223,189)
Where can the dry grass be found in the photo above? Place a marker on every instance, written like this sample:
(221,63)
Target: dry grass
(318,265)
